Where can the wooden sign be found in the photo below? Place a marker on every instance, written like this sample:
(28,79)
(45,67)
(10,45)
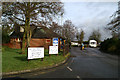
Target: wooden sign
(34,53)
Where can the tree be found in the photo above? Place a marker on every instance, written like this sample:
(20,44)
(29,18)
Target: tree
(81,36)
(55,27)
(68,30)
(77,35)
(31,13)
(114,25)
(95,36)
(6,30)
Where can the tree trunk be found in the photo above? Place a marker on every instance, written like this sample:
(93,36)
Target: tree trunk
(28,26)
(23,44)
(28,39)
(27,30)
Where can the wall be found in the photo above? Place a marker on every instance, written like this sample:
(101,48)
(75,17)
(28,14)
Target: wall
(33,43)
(40,43)
(15,45)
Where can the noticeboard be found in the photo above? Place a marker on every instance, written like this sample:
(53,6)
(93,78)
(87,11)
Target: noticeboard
(55,41)
(53,49)
(34,53)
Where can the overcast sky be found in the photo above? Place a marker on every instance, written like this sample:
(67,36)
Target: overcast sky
(90,15)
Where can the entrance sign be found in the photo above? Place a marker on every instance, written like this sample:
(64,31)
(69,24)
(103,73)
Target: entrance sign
(53,49)
(34,53)
(55,41)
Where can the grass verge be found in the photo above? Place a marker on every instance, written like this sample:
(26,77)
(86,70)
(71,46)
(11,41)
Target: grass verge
(13,61)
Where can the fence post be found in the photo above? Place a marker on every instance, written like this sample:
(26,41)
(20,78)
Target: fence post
(64,48)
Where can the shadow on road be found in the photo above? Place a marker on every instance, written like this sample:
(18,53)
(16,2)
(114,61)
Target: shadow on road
(16,78)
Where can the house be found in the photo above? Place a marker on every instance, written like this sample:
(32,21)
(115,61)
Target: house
(41,37)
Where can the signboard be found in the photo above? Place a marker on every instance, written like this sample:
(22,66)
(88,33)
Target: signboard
(48,40)
(34,53)
(55,41)
(53,49)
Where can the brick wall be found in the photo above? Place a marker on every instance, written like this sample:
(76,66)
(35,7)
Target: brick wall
(14,45)
(39,43)
(33,43)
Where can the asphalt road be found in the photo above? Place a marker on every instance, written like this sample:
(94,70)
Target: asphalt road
(88,63)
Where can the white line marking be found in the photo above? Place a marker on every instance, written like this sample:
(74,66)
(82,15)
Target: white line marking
(78,77)
(69,68)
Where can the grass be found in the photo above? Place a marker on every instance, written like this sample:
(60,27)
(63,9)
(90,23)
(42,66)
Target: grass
(13,61)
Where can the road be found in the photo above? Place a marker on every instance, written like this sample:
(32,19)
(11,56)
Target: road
(88,63)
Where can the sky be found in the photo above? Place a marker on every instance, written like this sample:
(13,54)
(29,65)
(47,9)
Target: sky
(90,16)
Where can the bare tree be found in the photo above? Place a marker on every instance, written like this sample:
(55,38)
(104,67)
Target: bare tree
(77,35)
(55,27)
(81,36)
(68,30)
(114,25)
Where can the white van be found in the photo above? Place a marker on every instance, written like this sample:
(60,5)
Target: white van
(93,43)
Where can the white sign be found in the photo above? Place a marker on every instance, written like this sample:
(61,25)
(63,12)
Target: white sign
(34,53)
(55,41)
(53,49)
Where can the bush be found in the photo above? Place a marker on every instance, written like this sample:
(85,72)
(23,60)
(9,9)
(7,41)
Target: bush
(112,48)
(5,38)
(111,45)
(4,48)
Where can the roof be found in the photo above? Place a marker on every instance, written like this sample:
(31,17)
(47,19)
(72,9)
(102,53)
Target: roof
(16,35)
(37,32)
(43,32)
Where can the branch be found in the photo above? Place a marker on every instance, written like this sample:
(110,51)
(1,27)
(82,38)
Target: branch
(19,19)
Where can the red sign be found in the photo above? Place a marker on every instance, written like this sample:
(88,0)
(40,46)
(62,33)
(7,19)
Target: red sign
(48,40)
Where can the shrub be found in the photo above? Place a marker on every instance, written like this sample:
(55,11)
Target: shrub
(112,48)
(5,38)
(111,45)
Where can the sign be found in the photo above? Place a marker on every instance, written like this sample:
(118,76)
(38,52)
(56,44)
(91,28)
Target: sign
(53,49)
(55,41)
(34,53)
(48,40)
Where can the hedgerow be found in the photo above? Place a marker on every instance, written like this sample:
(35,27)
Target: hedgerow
(111,45)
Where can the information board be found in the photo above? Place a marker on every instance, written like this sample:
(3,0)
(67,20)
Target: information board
(55,41)
(34,53)
(53,49)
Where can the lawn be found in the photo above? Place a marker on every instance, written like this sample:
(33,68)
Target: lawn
(13,61)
